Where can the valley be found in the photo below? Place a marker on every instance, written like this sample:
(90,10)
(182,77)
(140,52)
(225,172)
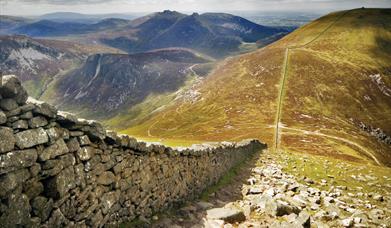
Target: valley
(143,52)
(217,120)
(309,94)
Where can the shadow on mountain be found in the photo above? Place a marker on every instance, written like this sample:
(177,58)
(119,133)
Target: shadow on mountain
(108,82)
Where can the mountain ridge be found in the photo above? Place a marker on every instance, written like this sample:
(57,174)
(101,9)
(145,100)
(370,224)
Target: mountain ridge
(319,89)
(214,34)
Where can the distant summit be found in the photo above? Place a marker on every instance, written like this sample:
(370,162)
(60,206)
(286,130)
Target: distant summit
(214,34)
(217,35)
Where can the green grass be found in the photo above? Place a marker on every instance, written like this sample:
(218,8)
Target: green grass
(338,173)
(227,178)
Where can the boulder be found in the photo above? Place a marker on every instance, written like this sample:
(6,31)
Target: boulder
(227,214)
(12,119)
(18,211)
(42,108)
(27,115)
(30,138)
(112,137)
(106,178)
(3,117)
(7,139)
(84,140)
(108,200)
(32,188)
(20,125)
(348,222)
(73,145)
(303,220)
(8,104)
(55,133)
(124,140)
(378,197)
(214,223)
(42,207)
(260,202)
(280,208)
(11,87)
(94,130)
(38,121)
(11,180)
(52,151)
(86,153)
(57,219)
(13,113)
(66,118)
(56,187)
(17,159)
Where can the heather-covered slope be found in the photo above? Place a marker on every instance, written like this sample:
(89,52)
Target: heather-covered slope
(327,84)
(37,62)
(107,83)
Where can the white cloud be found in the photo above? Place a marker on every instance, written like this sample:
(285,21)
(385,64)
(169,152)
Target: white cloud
(34,7)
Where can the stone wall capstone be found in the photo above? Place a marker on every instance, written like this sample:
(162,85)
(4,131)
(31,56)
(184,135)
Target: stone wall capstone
(60,171)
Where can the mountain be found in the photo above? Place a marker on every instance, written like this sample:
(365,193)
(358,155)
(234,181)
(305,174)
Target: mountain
(324,89)
(48,28)
(8,23)
(38,61)
(84,18)
(107,83)
(211,33)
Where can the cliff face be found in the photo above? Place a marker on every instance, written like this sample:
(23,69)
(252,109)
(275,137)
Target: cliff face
(58,170)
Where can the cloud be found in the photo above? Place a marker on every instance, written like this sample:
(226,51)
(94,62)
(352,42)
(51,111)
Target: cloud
(37,7)
(65,2)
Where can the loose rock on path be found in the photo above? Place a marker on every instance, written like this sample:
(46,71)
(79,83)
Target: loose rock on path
(263,195)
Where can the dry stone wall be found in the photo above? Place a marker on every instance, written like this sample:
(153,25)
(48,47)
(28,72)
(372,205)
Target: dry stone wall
(60,171)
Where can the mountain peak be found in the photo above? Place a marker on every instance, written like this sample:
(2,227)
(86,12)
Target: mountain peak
(169,12)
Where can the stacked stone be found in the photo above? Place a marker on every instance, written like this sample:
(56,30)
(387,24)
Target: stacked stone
(57,170)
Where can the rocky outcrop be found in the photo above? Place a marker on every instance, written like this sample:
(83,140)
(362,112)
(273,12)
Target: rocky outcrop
(378,133)
(57,170)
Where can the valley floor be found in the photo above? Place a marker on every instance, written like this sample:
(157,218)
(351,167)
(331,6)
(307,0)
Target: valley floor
(289,190)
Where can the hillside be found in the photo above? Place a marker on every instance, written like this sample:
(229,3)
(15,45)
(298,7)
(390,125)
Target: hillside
(37,62)
(324,89)
(48,28)
(8,23)
(108,83)
(215,34)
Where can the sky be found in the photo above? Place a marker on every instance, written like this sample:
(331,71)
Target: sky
(39,7)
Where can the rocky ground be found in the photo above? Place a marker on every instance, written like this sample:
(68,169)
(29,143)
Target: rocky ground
(263,194)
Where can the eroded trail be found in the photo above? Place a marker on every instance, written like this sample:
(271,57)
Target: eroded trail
(361,148)
(283,81)
(264,194)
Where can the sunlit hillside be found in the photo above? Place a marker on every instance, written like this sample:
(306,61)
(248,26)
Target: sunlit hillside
(328,84)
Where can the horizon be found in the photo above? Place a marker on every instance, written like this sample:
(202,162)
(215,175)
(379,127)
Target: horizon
(30,8)
(266,13)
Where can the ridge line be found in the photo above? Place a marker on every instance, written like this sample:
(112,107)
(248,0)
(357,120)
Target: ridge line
(285,75)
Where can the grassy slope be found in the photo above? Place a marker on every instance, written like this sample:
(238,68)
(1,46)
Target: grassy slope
(325,90)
